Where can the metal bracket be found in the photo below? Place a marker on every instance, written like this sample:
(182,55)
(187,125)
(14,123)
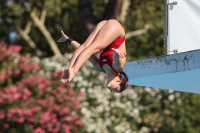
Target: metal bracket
(174,51)
(165,40)
(173,3)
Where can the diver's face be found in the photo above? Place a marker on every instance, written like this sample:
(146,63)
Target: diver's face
(114,86)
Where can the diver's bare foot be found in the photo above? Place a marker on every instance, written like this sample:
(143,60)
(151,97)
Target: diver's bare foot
(63,38)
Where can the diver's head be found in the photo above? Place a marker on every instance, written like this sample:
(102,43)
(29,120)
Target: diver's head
(119,83)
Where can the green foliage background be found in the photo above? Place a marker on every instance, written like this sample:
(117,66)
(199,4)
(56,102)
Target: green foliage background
(64,15)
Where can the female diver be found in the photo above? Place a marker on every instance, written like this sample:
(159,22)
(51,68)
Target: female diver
(108,36)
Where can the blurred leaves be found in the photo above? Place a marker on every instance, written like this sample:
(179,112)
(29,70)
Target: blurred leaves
(77,19)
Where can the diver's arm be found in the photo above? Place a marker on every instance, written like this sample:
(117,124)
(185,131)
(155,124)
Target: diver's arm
(119,57)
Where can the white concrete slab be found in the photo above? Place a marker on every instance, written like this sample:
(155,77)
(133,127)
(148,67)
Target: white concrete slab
(183,25)
(180,72)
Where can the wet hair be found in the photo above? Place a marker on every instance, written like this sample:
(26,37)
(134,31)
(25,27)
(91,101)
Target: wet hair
(123,76)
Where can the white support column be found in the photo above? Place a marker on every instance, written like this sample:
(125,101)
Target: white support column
(179,72)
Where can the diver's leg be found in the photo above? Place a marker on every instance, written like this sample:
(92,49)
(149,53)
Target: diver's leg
(88,41)
(105,36)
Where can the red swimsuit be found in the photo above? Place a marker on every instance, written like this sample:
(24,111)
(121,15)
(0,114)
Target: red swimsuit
(106,56)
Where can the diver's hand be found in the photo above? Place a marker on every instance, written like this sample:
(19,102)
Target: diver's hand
(68,75)
(120,52)
(72,73)
(65,76)
(63,38)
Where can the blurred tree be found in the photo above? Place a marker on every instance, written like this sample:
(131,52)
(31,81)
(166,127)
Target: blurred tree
(36,24)
(33,21)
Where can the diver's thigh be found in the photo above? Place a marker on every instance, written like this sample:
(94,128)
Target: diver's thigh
(107,34)
(94,33)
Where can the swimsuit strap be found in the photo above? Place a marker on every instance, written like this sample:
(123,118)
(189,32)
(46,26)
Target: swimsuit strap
(113,68)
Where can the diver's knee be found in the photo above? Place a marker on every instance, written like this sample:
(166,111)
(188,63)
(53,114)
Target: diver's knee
(102,23)
(113,22)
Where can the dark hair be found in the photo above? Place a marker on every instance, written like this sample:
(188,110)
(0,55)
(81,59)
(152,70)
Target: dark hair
(124,82)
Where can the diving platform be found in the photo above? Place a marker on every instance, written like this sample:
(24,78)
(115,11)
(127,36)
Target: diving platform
(179,72)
